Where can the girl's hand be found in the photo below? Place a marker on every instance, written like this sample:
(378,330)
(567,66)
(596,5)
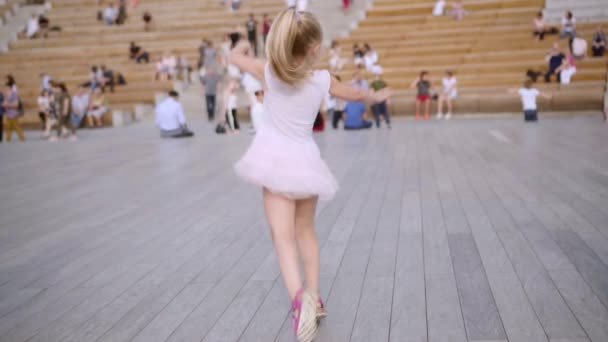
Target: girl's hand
(242,47)
(381,96)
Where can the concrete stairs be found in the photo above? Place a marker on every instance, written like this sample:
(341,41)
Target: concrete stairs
(584,10)
(335,22)
(17,22)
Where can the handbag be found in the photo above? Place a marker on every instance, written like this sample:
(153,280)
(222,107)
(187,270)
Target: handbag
(220,129)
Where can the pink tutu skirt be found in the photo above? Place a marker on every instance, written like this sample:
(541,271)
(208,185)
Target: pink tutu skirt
(293,169)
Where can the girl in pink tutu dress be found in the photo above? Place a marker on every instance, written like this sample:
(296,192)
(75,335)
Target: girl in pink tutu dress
(283,158)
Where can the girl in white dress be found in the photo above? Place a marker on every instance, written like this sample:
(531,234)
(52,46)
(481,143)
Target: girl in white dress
(284,159)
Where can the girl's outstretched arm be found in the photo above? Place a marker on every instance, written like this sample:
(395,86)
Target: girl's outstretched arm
(240,58)
(354,94)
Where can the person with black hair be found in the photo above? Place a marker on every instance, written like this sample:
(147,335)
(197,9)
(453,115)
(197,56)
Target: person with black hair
(12,112)
(598,45)
(170,118)
(210,83)
(147,18)
(541,28)
(107,78)
(568,26)
(423,96)
(121,17)
(252,32)
(63,108)
(138,54)
(10,81)
(555,57)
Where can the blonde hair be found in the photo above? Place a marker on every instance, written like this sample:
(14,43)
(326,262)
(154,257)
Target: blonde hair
(292,35)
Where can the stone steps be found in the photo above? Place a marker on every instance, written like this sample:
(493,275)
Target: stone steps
(335,22)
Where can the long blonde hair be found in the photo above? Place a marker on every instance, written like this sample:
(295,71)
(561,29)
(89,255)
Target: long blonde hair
(292,35)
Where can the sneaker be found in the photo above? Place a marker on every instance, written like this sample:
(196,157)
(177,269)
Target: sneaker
(53,139)
(321,311)
(417,116)
(426,117)
(304,316)
(448,116)
(439,116)
(73,138)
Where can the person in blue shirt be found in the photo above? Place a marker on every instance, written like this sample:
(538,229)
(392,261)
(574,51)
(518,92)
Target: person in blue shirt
(356,116)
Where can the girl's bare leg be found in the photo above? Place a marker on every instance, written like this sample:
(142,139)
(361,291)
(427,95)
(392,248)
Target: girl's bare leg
(307,242)
(280,212)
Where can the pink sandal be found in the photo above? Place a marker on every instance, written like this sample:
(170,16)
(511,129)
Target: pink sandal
(321,311)
(304,316)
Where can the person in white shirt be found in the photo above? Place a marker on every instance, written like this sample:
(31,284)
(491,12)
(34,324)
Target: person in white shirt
(336,62)
(110,14)
(528,96)
(231,106)
(80,106)
(46,82)
(568,26)
(170,118)
(579,47)
(44,112)
(170,62)
(448,94)
(370,58)
(439,8)
(567,69)
(257,111)
(32,27)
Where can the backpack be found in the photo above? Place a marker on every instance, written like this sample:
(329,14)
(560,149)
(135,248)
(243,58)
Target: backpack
(220,129)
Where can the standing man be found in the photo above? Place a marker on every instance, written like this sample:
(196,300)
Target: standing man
(12,113)
(209,82)
(201,53)
(252,32)
(266,24)
(170,118)
(63,106)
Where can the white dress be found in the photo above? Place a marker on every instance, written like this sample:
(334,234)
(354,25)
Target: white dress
(283,156)
(450,83)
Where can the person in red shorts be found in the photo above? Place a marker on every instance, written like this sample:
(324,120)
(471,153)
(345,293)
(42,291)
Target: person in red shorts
(346,5)
(423,85)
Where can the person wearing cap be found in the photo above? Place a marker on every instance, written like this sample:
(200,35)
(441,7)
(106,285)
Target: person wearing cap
(379,109)
(170,118)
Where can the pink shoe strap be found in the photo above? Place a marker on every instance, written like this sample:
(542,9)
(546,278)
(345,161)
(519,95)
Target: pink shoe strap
(296,307)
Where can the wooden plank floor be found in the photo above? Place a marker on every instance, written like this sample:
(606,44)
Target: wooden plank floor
(469,230)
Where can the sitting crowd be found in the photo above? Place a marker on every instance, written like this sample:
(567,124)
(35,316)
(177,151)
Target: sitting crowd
(562,63)
(56,108)
(172,67)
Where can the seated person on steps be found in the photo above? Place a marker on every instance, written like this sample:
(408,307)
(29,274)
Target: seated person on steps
(170,118)
(356,116)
